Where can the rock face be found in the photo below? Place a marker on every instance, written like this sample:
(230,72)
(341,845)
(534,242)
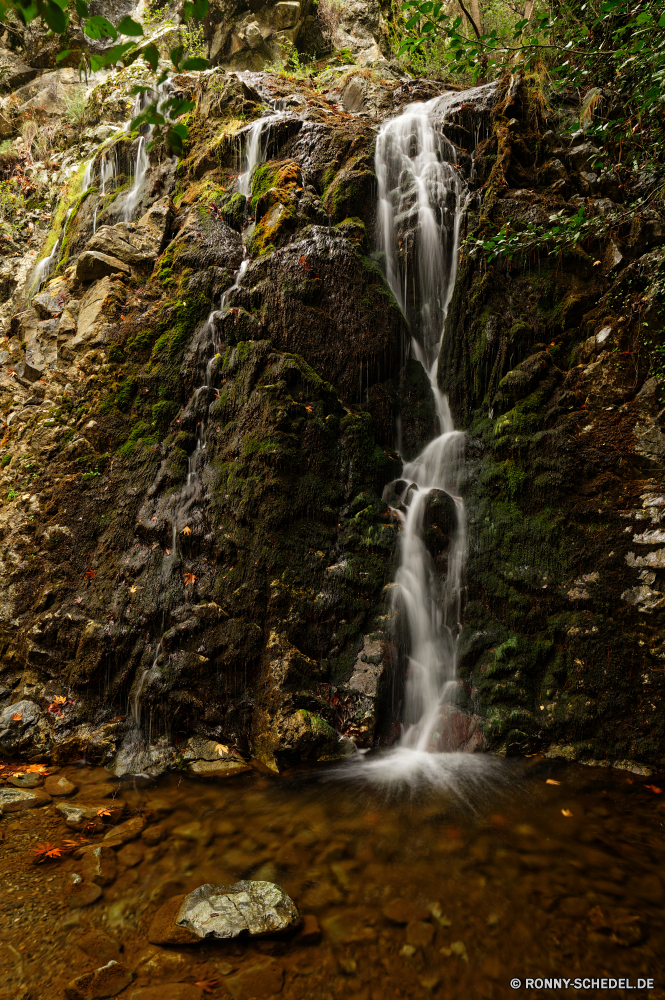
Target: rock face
(220,911)
(200,409)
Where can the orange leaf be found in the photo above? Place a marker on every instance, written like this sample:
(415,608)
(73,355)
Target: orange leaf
(566,812)
(207,985)
(189,579)
(90,574)
(186,530)
(16,716)
(36,769)
(551,781)
(656,791)
(103,812)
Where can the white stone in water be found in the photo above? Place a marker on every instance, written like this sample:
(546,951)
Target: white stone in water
(225,911)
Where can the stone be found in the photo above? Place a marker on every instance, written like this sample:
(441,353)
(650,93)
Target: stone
(14,72)
(92,265)
(349,926)
(17,799)
(26,781)
(263,977)
(100,865)
(15,719)
(218,768)
(196,831)
(419,934)
(128,830)
(154,834)
(279,16)
(59,785)
(95,311)
(227,911)
(167,991)
(163,929)
(310,931)
(99,946)
(107,981)
(130,855)
(77,814)
(404,911)
(82,893)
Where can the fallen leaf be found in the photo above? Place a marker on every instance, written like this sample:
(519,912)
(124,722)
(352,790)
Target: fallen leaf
(596,263)
(207,985)
(189,579)
(36,769)
(168,552)
(551,781)
(309,409)
(186,530)
(103,812)
(90,574)
(134,587)
(16,716)
(42,852)
(221,749)
(656,791)
(566,812)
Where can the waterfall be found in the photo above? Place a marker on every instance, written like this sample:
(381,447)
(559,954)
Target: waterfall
(141,163)
(420,199)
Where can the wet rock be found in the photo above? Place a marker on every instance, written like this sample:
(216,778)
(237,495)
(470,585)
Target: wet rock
(107,981)
(419,934)
(99,946)
(59,785)
(610,927)
(167,991)
(163,929)
(82,893)
(14,72)
(17,799)
(219,769)
(403,911)
(26,781)
(77,815)
(15,722)
(196,831)
(457,732)
(310,932)
(128,830)
(93,265)
(349,926)
(227,911)
(263,977)
(130,855)
(100,865)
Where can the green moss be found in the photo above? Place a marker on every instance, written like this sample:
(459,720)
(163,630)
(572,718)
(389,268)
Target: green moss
(162,415)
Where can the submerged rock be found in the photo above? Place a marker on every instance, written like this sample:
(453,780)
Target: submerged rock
(226,911)
(107,981)
(16,799)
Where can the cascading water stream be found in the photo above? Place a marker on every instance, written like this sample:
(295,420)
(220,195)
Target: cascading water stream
(420,206)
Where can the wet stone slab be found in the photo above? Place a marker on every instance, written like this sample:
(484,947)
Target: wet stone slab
(225,911)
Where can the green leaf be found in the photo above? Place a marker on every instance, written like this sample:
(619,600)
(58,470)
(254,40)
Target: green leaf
(412,22)
(82,8)
(175,138)
(197,9)
(661,23)
(26,12)
(151,56)
(62,55)
(194,65)
(176,55)
(129,27)
(177,107)
(110,57)
(54,16)
(99,27)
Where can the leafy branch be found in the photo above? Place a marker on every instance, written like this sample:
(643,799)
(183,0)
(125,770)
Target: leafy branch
(128,44)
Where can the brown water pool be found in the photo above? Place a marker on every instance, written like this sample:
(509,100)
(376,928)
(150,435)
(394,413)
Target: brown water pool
(558,873)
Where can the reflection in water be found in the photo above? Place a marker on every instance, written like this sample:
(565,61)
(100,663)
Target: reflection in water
(411,899)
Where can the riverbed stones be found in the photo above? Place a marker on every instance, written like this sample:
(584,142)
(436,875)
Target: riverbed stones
(262,978)
(107,981)
(81,892)
(128,830)
(57,784)
(167,991)
(100,865)
(225,911)
(17,799)
(163,929)
(403,911)
(77,815)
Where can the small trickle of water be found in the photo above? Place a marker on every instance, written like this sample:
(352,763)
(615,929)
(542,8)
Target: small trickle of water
(148,674)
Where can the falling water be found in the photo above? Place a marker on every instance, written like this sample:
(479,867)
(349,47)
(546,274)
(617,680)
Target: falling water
(141,163)
(420,200)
